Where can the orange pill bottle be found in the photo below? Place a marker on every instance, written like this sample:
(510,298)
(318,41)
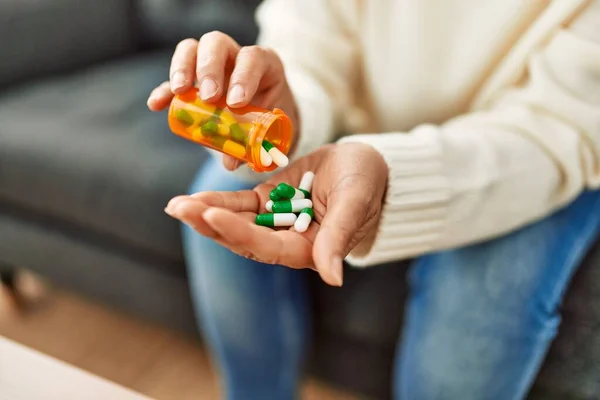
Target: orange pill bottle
(237,132)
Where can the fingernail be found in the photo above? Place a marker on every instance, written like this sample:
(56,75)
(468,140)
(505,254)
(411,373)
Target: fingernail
(208,88)
(235,95)
(336,271)
(171,207)
(153,98)
(170,210)
(178,80)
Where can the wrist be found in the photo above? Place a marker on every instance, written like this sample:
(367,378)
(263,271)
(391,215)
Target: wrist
(374,166)
(417,198)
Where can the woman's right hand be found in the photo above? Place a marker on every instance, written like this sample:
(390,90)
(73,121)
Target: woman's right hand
(219,67)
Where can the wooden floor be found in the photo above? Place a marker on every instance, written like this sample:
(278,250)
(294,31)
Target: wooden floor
(146,358)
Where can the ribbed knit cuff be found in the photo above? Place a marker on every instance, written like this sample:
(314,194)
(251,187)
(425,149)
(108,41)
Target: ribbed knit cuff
(416,204)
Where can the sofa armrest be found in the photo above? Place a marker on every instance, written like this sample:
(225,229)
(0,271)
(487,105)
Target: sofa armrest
(47,36)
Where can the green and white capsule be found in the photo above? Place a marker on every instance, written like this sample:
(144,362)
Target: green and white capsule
(303,220)
(307,181)
(274,220)
(288,192)
(287,206)
(278,157)
(274,195)
(265,158)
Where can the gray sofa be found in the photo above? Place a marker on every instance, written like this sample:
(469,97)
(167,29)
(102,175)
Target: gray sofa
(86,170)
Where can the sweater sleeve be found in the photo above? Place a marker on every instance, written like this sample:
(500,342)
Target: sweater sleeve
(526,154)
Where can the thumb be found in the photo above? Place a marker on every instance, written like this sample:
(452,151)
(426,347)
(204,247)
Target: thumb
(346,213)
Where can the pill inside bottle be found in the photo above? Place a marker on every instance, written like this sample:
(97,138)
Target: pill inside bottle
(238,132)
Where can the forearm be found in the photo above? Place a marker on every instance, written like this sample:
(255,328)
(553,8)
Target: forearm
(449,189)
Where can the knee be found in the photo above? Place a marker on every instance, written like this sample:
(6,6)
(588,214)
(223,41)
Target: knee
(226,290)
(488,288)
(251,308)
(470,334)
(482,316)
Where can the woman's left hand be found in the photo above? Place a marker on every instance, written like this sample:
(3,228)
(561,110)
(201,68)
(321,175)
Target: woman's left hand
(347,194)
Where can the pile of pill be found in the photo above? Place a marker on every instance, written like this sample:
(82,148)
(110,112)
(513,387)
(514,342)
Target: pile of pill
(289,206)
(223,132)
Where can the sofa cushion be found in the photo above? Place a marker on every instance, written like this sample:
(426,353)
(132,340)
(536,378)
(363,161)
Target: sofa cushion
(165,22)
(46,36)
(85,149)
(572,367)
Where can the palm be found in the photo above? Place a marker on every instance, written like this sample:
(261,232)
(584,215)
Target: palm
(228,218)
(347,193)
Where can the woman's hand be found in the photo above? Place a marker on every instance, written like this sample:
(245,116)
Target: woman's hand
(220,67)
(347,194)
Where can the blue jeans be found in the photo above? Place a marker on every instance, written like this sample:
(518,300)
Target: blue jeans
(479,319)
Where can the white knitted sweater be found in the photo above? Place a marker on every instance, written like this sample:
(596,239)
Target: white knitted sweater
(486,111)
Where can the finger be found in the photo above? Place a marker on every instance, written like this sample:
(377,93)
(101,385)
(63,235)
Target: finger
(230,163)
(346,212)
(264,190)
(189,211)
(183,63)
(240,201)
(160,97)
(254,67)
(215,51)
(240,234)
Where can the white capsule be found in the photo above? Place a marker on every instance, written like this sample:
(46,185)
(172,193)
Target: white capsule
(287,219)
(269,206)
(298,195)
(265,158)
(303,220)
(307,181)
(278,157)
